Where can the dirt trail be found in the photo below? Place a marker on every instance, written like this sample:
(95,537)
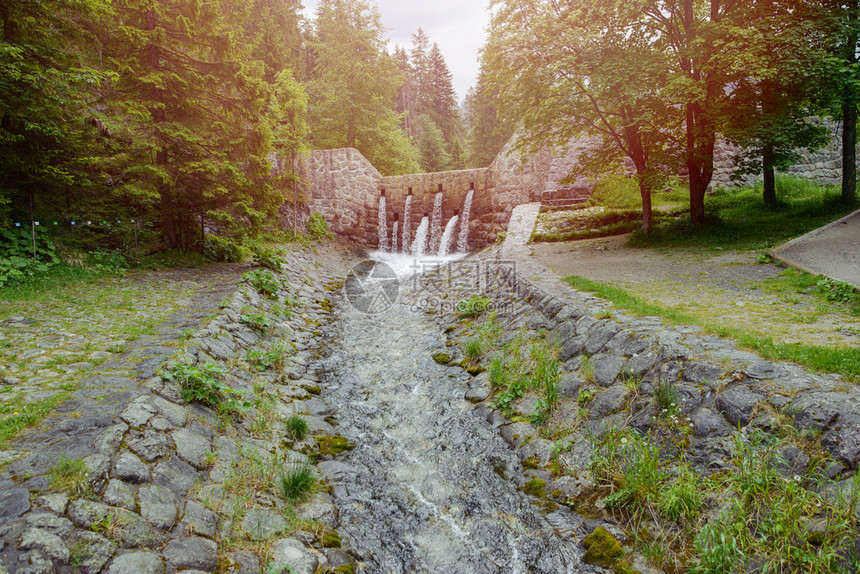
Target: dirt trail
(721,286)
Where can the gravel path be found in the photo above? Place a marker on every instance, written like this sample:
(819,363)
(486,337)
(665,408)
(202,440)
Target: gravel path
(723,285)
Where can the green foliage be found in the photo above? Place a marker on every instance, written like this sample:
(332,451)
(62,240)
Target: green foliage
(18,417)
(264,281)
(202,126)
(275,357)
(269,258)
(353,85)
(296,427)
(317,227)
(217,248)
(665,399)
(768,518)
(50,71)
(739,219)
(17,261)
(487,134)
(839,292)
(298,482)
(472,306)
(257,320)
(203,384)
(616,191)
(631,465)
(474,349)
(433,156)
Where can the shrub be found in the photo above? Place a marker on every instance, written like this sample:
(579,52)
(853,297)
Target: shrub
(256,320)
(17,263)
(264,281)
(202,384)
(317,227)
(216,248)
(269,258)
(275,357)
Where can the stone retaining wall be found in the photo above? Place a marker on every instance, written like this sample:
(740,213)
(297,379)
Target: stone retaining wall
(723,389)
(823,166)
(176,486)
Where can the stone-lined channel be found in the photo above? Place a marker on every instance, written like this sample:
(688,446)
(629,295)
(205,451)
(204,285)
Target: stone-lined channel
(430,486)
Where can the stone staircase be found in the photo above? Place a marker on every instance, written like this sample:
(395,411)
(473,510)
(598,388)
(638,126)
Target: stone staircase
(565,196)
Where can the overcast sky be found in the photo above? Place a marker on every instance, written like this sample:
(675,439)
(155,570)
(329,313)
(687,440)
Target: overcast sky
(458,26)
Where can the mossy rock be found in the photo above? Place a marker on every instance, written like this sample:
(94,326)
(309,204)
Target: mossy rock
(536,487)
(475,370)
(450,329)
(532,462)
(330,539)
(333,445)
(602,549)
(442,358)
(312,389)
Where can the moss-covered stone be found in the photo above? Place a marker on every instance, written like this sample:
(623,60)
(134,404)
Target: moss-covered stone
(536,487)
(531,462)
(475,370)
(602,549)
(330,539)
(333,445)
(442,358)
(312,389)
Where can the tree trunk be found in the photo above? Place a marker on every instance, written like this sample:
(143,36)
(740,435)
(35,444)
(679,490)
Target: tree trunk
(849,118)
(166,203)
(647,214)
(701,138)
(769,193)
(849,152)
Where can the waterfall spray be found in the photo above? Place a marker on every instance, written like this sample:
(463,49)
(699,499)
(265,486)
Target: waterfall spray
(407,223)
(448,236)
(420,244)
(393,246)
(382,228)
(463,240)
(436,221)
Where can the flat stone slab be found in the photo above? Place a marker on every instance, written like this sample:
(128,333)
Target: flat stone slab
(832,250)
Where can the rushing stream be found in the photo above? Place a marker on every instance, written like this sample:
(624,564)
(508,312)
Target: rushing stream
(430,486)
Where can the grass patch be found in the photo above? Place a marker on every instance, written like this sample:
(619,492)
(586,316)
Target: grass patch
(842,360)
(298,482)
(472,306)
(15,416)
(296,427)
(738,218)
(750,518)
(70,477)
(276,357)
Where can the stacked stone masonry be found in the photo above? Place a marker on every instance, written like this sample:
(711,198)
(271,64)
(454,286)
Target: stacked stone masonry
(344,187)
(157,496)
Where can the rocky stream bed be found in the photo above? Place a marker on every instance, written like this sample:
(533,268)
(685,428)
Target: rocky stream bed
(418,469)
